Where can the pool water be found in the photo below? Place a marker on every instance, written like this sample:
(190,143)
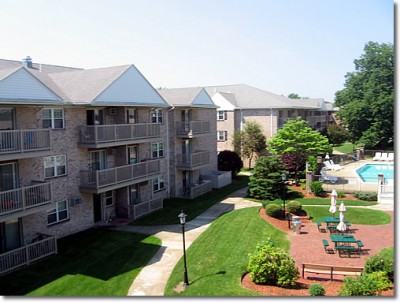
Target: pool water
(369,172)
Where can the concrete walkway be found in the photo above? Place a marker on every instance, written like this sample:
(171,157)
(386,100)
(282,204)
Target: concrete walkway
(153,277)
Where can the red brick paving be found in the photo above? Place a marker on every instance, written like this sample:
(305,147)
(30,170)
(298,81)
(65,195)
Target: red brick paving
(307,247)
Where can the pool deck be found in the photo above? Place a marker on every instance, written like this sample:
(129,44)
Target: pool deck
(349,180)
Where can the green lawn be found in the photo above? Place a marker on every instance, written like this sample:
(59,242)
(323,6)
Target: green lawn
(91,263)
(193,208)
(219,257)
(346,147)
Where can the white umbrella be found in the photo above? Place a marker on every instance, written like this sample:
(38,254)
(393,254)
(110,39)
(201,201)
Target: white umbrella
(341,226)
(332,209)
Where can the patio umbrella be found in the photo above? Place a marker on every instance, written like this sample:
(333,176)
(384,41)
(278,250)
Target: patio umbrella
(341,226)
(332,209)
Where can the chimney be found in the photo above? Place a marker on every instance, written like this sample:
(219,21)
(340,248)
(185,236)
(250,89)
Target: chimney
(27,62)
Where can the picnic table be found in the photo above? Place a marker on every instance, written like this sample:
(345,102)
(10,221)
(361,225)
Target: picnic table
(332,222)
(346,240)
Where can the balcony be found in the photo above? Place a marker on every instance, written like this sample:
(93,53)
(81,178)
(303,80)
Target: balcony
(192,128)
(193,161)
(110,179)
(25,201)
(17,144)
(147,207)
(197,190)
(116,135)
(41,247)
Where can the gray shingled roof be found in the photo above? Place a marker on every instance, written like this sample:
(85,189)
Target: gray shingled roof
(248,97)
(182,96)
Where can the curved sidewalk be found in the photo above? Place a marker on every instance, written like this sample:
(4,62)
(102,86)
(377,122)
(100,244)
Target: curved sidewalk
(153,277)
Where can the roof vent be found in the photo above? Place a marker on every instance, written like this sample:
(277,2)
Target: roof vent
(27,62)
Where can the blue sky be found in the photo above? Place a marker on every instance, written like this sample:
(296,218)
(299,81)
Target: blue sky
(282,46)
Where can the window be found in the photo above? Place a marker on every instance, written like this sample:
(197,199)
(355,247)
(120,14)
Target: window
(108,197)
(222,135)
(156,116)
(53,118)
(157,150)
(55,166)
(221,115)
(60,213)
(131,116)
(158,183)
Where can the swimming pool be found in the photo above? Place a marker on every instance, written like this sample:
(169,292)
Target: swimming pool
(369,172)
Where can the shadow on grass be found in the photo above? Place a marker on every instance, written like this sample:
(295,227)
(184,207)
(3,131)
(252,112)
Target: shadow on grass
(96,253)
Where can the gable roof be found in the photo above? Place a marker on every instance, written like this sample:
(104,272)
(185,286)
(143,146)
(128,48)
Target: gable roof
(195,97)
(248,97)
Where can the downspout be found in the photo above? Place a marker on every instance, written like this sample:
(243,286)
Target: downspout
(168,155)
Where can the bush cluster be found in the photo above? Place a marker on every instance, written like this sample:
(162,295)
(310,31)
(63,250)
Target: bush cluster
(293,206)
(316,290)
(272,265)
(383,261)
(275,201)
(365,285)
(316,188)
(273,210)
(366,196)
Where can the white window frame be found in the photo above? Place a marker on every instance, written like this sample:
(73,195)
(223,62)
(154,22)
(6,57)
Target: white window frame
(159,150)
(53,118)
(156,116)
(221,115)
(61,207)
(222,136)
(53,162)
(158,183)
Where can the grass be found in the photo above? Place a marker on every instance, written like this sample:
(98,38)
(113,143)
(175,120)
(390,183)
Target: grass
(193,208)
(96,262)
(219,257)
(354,215)
(346,147)
(325,201)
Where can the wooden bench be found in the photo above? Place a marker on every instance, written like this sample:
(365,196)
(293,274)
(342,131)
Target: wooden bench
(330,270)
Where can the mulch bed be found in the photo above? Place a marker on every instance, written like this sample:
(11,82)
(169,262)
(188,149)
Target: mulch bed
(302,284)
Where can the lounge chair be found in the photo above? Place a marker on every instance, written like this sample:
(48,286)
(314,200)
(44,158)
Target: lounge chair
(328,165)
(377,156)
(390,157)
(325,176)
(384,156)
(335,167)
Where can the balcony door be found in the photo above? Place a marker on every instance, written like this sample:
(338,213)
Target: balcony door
(10,235)
(7,121)
(8,177)
(94,117)
(97,160)
(132,152)
(186,151)
(186,181)
(186,117)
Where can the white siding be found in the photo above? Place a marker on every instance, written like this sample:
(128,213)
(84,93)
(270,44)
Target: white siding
(21,85)
(131,88)
(222,102)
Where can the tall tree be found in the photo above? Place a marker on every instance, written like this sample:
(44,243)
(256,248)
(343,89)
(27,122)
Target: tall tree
(366,104)
(251,140)
(297,141)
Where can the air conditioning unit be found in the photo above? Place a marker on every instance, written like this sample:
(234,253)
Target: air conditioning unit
(75,200)
(112,111)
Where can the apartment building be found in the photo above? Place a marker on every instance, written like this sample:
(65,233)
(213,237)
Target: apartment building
(239,104)
(192,138)
(84,147)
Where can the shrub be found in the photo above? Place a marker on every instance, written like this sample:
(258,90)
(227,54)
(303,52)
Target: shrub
(366,196)
(293,194)
(273,210)
(229,161)
(316,188)
(383,261)
(365,285)
(293,206)
(275,201)
(272,265)
(316,290)
(340,194)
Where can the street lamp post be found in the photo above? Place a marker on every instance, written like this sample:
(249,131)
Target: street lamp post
(182,218)
(283,198)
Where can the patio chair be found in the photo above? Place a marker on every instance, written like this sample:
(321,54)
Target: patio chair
(377,156)
(328,165)
(384,156)
(326,177)
(390,157)
(335,167)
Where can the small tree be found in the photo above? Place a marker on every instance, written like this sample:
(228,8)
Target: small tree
(251,141)
(229,161)
(337,134)
(266,181)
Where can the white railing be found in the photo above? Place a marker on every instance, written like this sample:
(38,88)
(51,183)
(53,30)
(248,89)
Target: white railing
(196,189)
(26,254)
(25,198)
(22,141)
(385,191)
(118,133)
(108,177)
(147,207)
(192,127)
(193,160)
